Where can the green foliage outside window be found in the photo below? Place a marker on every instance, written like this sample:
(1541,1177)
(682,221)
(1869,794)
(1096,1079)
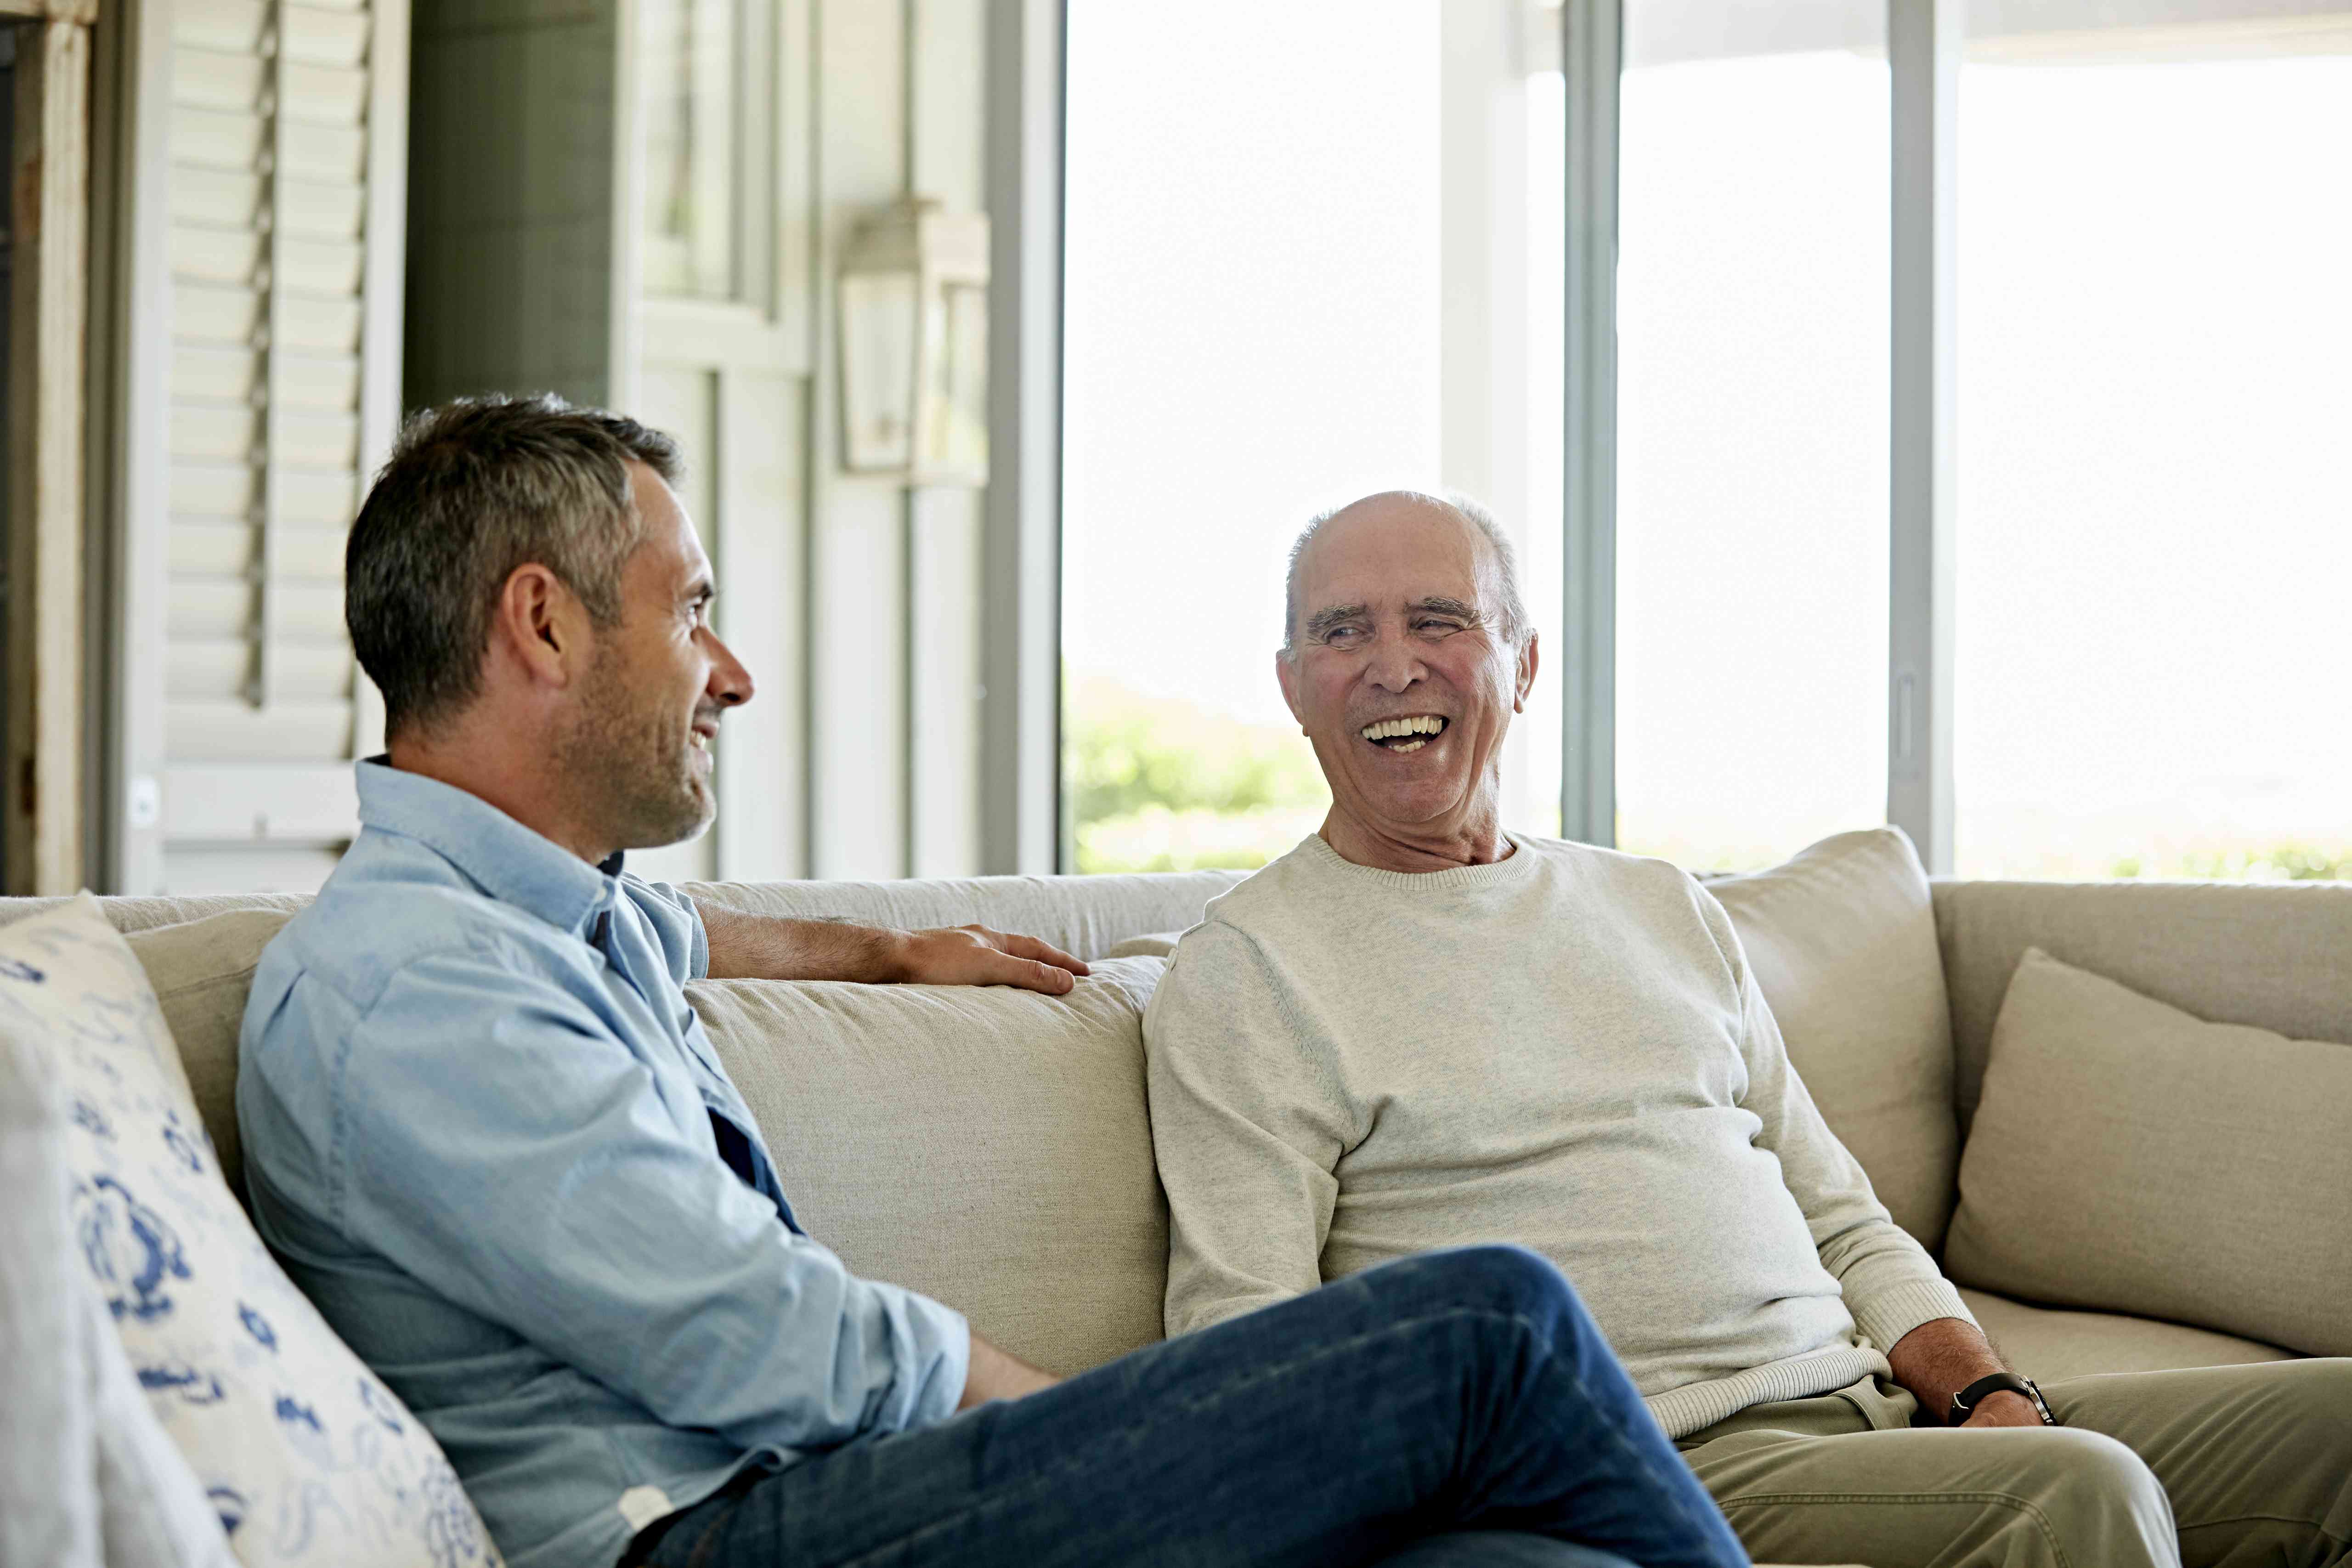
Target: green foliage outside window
(1158,784)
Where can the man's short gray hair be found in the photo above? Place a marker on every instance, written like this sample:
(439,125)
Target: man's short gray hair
(473,489)
(1511,615)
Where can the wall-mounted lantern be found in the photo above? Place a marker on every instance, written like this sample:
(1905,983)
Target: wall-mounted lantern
(914,346)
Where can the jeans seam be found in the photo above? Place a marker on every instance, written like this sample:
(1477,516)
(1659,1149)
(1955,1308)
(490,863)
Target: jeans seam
(2004,1500)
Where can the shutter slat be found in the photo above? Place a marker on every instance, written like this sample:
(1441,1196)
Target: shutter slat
(205,313)
(205,77)
(214,490)
(208,434)
(221,671)
(215,198)
(216,255)
(229,733)
(208,609)
(204,547)
(216,138)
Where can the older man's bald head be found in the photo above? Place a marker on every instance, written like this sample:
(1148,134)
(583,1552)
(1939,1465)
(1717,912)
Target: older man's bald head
(1509,610)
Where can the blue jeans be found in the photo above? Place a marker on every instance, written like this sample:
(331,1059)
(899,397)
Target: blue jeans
(1453,1409)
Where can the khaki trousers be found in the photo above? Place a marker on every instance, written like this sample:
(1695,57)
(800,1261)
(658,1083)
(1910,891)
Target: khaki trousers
(2232,1466)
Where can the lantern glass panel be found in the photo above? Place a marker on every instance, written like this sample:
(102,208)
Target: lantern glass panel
(878,315)
(955,435)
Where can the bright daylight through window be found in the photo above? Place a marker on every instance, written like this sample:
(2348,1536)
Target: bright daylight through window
(1752,430)
(2155,426)
(2154,539)
(1252,334)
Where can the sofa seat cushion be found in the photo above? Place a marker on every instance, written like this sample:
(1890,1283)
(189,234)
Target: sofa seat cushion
(2131,1157)
(2047,1343)
(1841,940)
(986,1146)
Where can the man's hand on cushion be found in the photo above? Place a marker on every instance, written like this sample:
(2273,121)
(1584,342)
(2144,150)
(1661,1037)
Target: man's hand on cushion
(767,947)
(975,956)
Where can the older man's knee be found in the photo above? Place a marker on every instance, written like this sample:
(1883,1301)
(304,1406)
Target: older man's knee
(2100,1499)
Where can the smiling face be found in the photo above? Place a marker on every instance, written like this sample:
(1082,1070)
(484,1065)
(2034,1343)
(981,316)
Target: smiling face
(638,739)
(1401,676)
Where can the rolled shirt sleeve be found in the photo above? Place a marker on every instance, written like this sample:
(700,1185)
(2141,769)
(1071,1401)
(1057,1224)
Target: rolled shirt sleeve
(676,922)
(505,1148)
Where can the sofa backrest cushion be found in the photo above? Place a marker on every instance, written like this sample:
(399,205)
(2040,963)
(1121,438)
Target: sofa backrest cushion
(201,971)
(2272,956)
(1841,940)
(988,1147)
(1086,916)
(2129,1157)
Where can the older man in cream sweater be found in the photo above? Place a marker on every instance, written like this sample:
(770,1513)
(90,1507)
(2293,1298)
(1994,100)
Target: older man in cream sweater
(1417,1030)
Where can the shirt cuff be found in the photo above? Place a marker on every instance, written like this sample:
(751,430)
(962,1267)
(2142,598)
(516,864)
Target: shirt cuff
(930,1353)
(1890,1313)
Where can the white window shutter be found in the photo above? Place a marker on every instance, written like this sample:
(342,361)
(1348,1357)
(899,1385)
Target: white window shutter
(285,163)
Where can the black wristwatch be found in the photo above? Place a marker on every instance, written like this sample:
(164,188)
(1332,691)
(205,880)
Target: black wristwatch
(1968,1398)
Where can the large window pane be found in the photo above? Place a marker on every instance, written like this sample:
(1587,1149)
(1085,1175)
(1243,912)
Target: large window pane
(1250,335)
(1752,422)
(688,65)
(2155,539)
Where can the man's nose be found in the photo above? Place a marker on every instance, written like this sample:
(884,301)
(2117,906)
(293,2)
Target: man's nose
(1395,664)
(730,683)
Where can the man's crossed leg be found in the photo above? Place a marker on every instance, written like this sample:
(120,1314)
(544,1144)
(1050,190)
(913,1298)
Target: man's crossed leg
(1466,1391)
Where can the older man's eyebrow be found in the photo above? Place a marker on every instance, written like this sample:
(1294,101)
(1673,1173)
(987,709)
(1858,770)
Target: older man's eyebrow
(1439,605)
(1321,622)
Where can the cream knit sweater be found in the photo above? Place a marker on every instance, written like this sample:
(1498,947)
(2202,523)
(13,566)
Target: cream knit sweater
(1563,1049)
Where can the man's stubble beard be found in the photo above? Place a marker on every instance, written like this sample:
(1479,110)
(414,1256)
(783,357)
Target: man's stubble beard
(630,757)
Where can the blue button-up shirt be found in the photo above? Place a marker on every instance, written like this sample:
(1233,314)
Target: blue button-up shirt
(483,1131)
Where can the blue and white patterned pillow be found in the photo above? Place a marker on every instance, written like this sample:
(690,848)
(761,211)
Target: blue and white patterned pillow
(306,1455)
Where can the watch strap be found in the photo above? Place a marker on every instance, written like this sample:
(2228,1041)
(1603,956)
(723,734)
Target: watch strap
(1966,1400)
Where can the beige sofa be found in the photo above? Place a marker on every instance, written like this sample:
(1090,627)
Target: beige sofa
(992,1148)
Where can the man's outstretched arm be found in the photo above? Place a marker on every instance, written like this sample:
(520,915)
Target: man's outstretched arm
(769,947)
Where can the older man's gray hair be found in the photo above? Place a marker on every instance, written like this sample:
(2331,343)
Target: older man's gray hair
(1510,615)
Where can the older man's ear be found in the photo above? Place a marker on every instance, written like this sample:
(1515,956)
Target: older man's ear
(1527,661)
(1286,675)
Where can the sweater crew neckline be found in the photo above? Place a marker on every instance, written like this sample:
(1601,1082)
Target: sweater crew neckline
(1493,874)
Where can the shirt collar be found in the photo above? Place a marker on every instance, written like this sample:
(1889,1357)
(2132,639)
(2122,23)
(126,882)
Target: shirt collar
(507,861)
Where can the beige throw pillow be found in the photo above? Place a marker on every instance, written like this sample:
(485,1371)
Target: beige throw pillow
(986,1146)
(201,971)
(1843,942)
(2132,1158)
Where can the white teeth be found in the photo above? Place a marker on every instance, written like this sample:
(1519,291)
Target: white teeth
(1388,729)
(1410,746)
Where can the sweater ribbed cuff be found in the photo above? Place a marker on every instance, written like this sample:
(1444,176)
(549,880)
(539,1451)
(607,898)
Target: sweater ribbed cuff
(1885,1316)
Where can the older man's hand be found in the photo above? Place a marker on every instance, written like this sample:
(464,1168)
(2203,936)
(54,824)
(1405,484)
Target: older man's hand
(975,956)
(2003,1408)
